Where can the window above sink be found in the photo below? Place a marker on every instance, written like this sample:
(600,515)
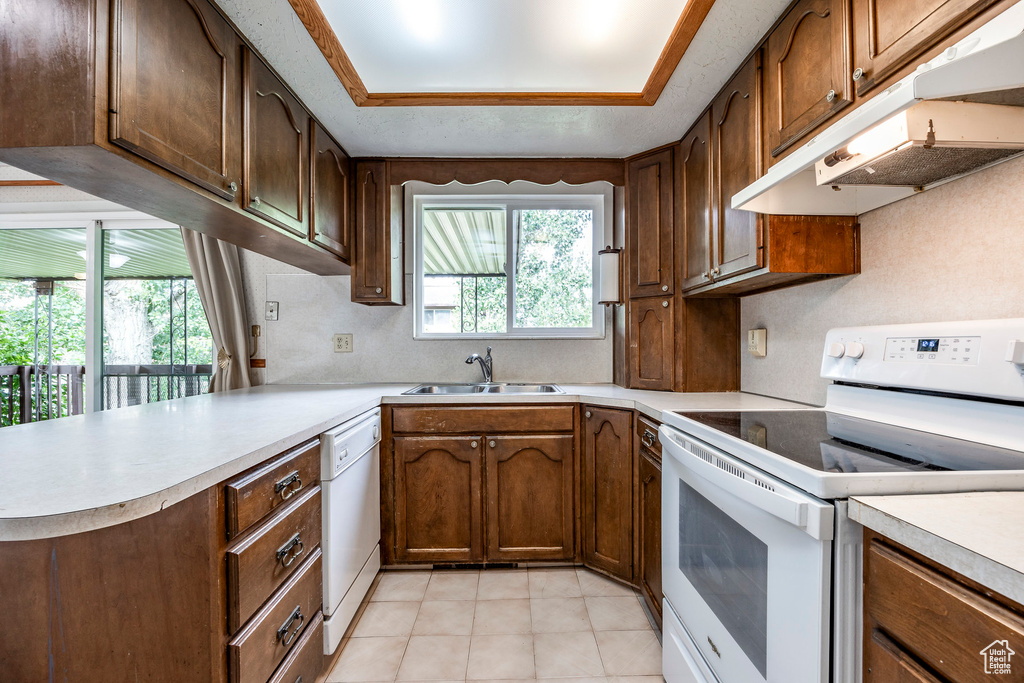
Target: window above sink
(515,261)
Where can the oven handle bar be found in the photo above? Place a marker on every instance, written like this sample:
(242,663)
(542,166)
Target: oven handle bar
(736,478)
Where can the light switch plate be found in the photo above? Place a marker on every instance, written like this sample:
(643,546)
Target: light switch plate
(757,342)
(343,343)
(271,311)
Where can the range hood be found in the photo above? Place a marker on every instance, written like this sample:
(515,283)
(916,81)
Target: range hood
(959,113)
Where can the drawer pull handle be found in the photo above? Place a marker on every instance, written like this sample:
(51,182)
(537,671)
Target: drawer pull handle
(649,438)
(284,487)
(287,553)
(287,626)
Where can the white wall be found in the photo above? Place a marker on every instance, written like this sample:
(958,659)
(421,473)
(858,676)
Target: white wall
(952,253)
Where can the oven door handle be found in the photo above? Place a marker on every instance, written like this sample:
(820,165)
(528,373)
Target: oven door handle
(747,484)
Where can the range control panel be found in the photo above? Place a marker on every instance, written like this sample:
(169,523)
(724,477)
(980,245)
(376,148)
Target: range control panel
(951,350)
(973,357)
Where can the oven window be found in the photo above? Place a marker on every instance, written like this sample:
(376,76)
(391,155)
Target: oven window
(728,566)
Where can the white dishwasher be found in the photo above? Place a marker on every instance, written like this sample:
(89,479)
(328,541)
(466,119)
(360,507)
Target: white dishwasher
(350,478)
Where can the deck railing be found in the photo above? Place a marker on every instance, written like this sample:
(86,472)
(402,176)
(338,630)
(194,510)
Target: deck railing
(59,390)
(132,385)
(31,393)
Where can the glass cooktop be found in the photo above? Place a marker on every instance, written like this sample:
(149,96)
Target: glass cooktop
(830,442)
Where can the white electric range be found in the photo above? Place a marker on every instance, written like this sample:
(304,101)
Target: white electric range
(760,564)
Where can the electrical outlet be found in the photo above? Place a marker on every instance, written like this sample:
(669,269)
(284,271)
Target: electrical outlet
(343,343)
(271,311)
(757,342)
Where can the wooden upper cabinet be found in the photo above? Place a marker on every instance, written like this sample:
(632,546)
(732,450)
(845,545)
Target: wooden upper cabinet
(438,483)
(176,90)
(276,150)
(889,34)
(330,184)
(736,160)
(650,228)
(693,205)
(651,341)
(378,270)
(529,498)
(806,71)
(607,485)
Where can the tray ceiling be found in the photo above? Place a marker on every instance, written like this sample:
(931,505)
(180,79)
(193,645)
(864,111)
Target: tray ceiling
(581,127)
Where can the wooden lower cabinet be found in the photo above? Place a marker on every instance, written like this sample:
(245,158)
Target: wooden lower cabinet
(648,529)
(529,498)
(607,490)
(923,622)
(438,484)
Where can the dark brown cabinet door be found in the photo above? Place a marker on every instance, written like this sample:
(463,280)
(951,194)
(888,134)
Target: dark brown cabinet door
(378,268)
(651,343)
(887,662)
(607,486)
(529,498)
(693,205)
(650,188)
(176,90)
(438,498)
(888,34)
(330,184)
(736,155)
(648,501)
(276,151)
(807,71)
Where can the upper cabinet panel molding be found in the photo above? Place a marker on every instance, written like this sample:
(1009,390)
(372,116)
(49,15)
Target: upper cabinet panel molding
(176,90)
(807,74)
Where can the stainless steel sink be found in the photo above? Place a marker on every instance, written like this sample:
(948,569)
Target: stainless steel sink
(492,388)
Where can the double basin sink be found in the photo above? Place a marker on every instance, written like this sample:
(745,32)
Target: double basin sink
(488,388)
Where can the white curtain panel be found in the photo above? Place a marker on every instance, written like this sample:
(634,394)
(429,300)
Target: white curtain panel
(218,279)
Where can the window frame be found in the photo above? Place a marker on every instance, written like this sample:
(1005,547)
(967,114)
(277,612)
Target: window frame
(589,198)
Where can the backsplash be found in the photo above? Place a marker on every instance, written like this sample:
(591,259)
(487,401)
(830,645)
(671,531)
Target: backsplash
(952,253)
(313,308)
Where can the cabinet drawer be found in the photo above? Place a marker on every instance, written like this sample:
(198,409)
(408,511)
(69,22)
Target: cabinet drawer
(647,433)
(257,650)
(478,420)
(261,561)
(939,621)
(257,493)
(306,659)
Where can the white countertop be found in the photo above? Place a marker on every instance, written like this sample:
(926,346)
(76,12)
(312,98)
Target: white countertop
(974,534)
(87,472)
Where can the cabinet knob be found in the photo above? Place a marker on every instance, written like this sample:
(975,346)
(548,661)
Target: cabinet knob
(379,290)
(233,186)
(588,414)
(256,201)
(473,444)
(715,272)
(664,304)
(491,443)
(706,275)
(664,288)
(830,96)
(858,73)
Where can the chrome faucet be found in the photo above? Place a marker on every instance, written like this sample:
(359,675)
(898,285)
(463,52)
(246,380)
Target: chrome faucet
(486,365)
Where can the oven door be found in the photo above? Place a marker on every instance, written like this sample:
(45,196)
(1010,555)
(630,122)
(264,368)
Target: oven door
(746,564)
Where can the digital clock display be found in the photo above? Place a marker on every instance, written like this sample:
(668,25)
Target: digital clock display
(927,345)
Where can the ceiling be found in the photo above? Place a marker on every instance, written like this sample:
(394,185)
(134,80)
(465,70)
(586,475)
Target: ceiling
(728,34)
(406,46)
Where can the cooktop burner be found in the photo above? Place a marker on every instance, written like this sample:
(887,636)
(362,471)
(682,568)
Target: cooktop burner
(830,442)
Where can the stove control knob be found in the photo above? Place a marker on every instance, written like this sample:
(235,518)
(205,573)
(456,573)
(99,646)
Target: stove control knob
(1015,352)
(836,350)
(854,350)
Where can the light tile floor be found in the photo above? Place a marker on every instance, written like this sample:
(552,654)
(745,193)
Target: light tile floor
(498,625)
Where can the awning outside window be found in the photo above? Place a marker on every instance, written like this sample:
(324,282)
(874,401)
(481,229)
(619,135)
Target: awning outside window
(464,242)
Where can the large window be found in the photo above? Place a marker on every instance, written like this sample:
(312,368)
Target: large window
(511,265)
